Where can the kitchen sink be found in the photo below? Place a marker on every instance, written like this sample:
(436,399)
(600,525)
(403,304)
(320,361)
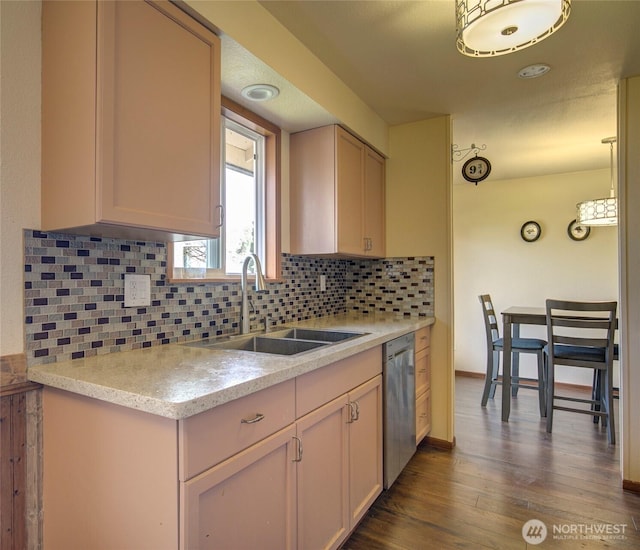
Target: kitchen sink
(319,335)
(290,341)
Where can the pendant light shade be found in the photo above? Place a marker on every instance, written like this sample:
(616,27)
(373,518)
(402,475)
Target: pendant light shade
(487,28)
(600,211)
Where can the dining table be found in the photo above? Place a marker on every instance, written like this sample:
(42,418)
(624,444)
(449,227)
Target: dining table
(512,318)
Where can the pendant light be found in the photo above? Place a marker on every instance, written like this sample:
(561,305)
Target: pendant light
(600,211)
(487,28)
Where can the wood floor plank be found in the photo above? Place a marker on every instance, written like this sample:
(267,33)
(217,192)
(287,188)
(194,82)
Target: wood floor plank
(501,475)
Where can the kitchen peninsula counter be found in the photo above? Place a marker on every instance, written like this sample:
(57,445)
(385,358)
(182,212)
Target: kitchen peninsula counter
(177,381)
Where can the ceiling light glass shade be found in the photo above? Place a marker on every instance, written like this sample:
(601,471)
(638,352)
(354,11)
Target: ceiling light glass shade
(488,28)
(598,212)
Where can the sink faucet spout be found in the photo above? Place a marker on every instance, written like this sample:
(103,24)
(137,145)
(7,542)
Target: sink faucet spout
(261,286)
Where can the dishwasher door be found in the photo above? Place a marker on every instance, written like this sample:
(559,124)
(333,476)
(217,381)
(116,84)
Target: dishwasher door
(399,406)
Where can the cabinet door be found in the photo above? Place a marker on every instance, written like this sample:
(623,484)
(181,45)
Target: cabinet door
(423,415)
(323,490)
(246,502)
(350,177)
(374,197)
(423,371)
(158,119)
(365,448)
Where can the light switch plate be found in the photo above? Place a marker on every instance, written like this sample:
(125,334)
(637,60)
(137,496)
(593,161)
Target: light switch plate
(137,290)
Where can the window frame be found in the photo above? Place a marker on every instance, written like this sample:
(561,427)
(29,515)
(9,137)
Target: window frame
(272,199)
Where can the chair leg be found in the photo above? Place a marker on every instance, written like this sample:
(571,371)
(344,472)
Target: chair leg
(596,393)
(489,378)
(611,426)
(541,384)
(550,390)
(515,373)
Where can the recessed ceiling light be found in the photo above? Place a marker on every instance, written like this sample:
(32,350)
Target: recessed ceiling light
(534,71)
(260,92)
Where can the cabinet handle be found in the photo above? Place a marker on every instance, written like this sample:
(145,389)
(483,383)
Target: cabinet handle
(298,450)
(221,208)
(354,411)
(257,418)
(357,407)
(422,371)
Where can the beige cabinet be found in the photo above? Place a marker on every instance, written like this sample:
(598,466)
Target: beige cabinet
(248,501)
(130,121)
(336,194)
(340,472)
(295,465)
(423,383)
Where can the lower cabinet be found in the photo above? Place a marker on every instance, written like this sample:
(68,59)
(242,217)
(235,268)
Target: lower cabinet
(340,471)
(306,486)
(295,465)
(248,501)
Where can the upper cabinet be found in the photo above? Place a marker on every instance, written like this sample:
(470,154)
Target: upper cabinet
(131,121)
(336,194)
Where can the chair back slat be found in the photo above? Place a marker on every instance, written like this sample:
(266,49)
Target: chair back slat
(490,320)
(581,325)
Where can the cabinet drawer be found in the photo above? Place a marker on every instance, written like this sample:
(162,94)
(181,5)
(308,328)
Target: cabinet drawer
(423,338)
(212,436)
(423,371)
(423,416)
(324,384)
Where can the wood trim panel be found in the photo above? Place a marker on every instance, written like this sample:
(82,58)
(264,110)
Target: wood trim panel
(633,486)
(439,443)
(13,370)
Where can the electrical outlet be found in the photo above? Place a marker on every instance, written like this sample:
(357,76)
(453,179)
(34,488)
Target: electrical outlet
(323,283)
(137,290)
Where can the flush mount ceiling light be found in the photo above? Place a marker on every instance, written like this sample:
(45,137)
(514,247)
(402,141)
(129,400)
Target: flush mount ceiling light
(600,211)
(260,92)
(487,28)
(534,71)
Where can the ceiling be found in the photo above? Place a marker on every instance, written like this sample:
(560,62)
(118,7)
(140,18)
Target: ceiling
(400,58)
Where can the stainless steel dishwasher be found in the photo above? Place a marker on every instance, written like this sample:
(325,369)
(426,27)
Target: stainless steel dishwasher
(399,406)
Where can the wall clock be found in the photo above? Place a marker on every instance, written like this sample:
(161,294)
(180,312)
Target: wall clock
(530,231)
(476,169)
(578,232)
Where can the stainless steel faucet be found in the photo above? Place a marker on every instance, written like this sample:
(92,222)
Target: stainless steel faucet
(261,286)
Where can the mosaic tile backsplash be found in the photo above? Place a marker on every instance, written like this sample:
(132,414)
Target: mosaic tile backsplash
(74,295)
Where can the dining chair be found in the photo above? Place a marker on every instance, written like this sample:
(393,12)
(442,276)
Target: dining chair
(581,335)
(495,346)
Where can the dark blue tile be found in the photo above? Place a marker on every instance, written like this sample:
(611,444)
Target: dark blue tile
(156,303)
(27,268)
(125,319)
(146,344)
(151,323)
(39,235)
(166,315)
(62,292)
(136,332)
(150,256)
(141,310)
(69,268)
(121,341)
(103,320)
(48,326)
(103,261)
(41,353)
(41,336)
(96,239)
(125,248)
(40,301)
(64,341)
(109,298)
(75,276)
(48,260)
(28,285)
(160,335)
(89,307)
(83,253)
(84,330)
(186,332)
(77,355)
(114,261)
(97,344)
(96,282)
(130,269)
(62,244)
(28,320)
(70,316)
(47,276)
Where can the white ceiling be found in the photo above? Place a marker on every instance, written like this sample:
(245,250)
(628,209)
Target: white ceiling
(400,58)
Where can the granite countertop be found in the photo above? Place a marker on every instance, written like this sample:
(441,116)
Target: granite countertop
(177,380)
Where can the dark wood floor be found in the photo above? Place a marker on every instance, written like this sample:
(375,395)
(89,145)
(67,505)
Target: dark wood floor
(501,475)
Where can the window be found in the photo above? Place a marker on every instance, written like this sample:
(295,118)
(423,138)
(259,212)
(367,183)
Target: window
(250,203)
